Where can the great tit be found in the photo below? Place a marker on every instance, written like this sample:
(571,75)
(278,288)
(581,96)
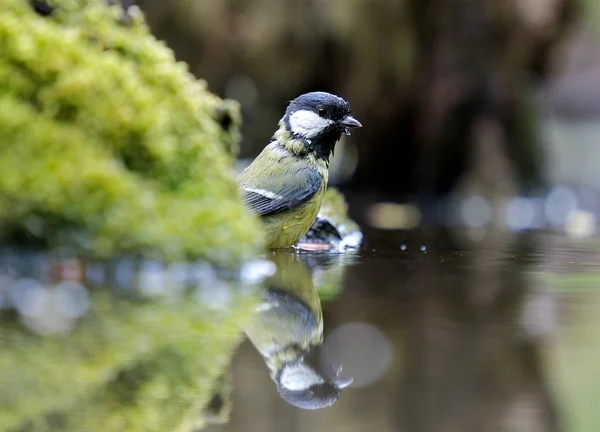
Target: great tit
(286,331)
(285,184)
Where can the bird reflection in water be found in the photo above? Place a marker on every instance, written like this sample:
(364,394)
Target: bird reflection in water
(287,330)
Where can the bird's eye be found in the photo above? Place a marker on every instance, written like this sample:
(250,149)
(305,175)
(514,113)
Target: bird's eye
(322,111)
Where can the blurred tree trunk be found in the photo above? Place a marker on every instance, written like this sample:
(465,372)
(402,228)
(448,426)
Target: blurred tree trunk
(474,111)
(433,81)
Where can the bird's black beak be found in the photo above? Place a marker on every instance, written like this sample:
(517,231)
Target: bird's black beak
(348,123)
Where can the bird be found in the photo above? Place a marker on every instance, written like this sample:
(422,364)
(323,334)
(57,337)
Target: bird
(286,182)
(287,331)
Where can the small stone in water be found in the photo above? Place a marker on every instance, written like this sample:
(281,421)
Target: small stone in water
(351,241)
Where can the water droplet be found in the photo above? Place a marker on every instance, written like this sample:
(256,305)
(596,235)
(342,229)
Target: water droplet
(559,204)
(95,274)
(52,317)
(256,271)
(203,274)
(178,275)
(72,299)
(216,296)
(29,297)
(581,224)
(152,278)
(6,283)
(363,350)
(124,274)
(519,214)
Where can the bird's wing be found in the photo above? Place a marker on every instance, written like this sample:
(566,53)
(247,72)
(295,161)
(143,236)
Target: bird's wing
(287,183)
(292,312)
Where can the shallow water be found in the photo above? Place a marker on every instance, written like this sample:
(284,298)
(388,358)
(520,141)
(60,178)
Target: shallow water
(439,334)
(499,336)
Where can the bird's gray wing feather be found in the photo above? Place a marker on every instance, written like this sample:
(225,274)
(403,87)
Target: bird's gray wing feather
(291,312)
(279,192)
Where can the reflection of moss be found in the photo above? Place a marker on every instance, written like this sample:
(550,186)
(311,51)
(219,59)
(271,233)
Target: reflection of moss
(573,365)
(593,9)
(129,365)
(108,143)
(329,282)
(327,272)
(576,282)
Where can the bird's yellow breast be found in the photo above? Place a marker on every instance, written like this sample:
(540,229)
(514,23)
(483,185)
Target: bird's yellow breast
(286,228)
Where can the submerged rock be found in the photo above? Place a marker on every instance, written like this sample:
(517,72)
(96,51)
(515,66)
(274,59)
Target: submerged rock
(333,229)
(108,144)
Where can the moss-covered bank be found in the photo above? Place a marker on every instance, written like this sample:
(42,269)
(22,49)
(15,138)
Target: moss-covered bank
(107,144)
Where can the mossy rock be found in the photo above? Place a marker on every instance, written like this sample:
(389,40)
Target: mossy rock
(107,144)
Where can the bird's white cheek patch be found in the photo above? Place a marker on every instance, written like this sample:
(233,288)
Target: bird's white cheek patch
(308,124)
(299,377)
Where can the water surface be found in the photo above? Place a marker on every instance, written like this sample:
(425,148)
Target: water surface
(498,336)
(440,334)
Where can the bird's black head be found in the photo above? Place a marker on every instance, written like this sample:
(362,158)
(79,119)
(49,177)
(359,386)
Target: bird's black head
(302,386)
(319,119)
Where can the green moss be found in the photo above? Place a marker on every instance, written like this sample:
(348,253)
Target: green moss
(129,365)
(572,364)
(111,143)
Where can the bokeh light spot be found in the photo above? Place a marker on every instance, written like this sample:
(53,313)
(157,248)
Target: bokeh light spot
(386,215)
(29,297)
(364,352)
(476,211)
(519,214)
(559,204)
